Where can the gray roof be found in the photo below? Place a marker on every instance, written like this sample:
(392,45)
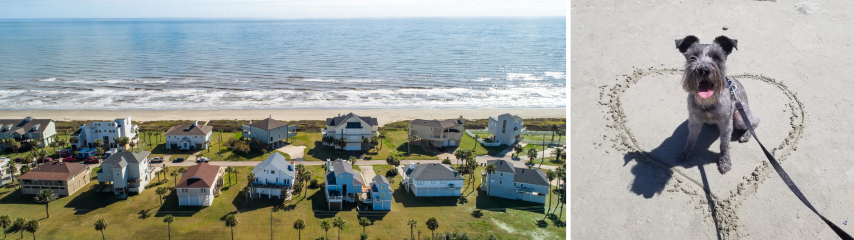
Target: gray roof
(377,180)
(433,171)
(530,176)
(340,166)
(20,126)
(268,124)
(337,121)
(278,161)
(515,117)
(436,123)
(189,129)
(122,159)
(502,166)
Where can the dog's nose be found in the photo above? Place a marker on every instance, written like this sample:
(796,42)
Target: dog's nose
(704,71)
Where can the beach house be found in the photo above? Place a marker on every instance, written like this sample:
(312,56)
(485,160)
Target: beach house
(516,183)
(28,128)
(274,177)
(432,180)
(107,132)
(438,133)
(505,128)
(63,178)
(188,136)
(124,173)
(270,131)
(343,184)
(353,128)
(380,195)
(199,185)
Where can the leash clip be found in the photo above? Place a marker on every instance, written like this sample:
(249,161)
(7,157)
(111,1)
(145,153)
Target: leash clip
(732,91)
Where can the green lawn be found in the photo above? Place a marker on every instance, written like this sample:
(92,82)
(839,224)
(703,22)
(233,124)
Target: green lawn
(469,143)
(541,137)
(141,215)
(394,144)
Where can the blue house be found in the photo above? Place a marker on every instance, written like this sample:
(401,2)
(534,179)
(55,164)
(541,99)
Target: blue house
(516,183)
(380,195)
(343,184)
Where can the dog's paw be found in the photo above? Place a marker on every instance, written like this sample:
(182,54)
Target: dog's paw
(724,165)
(744,138)
(684,156)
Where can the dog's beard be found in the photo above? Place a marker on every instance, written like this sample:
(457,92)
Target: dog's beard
(704,89)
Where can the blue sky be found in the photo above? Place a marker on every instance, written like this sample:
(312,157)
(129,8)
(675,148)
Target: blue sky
(293,9)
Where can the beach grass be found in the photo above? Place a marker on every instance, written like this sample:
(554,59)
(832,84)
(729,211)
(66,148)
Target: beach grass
(141,215)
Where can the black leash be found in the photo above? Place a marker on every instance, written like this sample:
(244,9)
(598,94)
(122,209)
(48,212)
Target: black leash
(785,177)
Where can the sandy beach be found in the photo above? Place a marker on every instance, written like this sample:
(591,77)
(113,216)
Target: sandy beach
(383,116)
(629,121)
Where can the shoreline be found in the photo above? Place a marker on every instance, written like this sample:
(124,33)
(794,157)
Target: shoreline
(383,116)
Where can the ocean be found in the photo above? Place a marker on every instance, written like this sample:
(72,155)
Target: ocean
(167,64)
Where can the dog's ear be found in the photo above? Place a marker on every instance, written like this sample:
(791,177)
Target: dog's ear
(685,43)
(726,43)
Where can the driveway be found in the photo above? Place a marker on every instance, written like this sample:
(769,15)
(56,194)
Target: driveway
(296,152)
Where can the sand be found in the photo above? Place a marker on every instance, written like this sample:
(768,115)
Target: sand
(383,116)
(629,113)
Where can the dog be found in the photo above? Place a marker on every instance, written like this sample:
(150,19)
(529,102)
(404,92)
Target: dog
(710,99)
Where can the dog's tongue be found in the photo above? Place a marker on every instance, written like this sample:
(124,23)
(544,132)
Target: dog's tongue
(704,89)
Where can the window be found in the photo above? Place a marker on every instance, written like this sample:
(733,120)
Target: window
(501,174)
(432,182)
(273,171)
(504,126)
(382,195)
(443,182)
(499,182)
(204,190)
(383,188)
(183,190)
(348,176)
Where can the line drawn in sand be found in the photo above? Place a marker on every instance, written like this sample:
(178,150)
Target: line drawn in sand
(724,213)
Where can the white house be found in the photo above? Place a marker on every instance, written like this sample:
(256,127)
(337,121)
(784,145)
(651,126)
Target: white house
(432,180)
(352,127)
(188,136)
(199,185)
(270,131)
(125,172)
(108,132)
(505,128)
(273,177)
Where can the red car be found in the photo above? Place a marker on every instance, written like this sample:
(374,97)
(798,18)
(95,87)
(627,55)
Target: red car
(91,160)
(44,160)
(70,159)
(18,159)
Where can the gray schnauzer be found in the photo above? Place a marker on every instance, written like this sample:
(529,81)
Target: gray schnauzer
(710,97)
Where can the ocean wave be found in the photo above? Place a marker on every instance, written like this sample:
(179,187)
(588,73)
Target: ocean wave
(523,77)
(556,75)
(47,80)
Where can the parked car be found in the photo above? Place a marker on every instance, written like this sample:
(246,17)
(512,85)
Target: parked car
(157,159)
(70,159)
(91,160)
(177,160)
(19,159)
(204,159)
(44,160)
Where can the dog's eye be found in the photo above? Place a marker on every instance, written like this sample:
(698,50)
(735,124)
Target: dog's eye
(716,58)
(692,58)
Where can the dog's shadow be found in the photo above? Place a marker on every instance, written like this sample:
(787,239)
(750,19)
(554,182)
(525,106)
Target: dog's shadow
(650,180)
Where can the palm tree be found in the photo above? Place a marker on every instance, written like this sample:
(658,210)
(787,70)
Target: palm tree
(231,222)
(325,226)
(251,178)
(299,225)
(101,152)
(132,145)
(164,170)
(490,169)
(561,174)
(5,222)
(73,140)
(364,222)
(20,223)
(246,193)
(471,165)
(409,144)
(54,144)
(46,196)
(176,173)
(168,219)
(411,224)
(554,128)
(341,142)
(11,170)
(375,141)
(532,154)
(228,171)
(432,224)
(551,175)
(382,137)
(26,168)
(518,148)
(160,191)
(305,176)
(559,154)
(15,145)
(32,226)
(98,143)
(122,141)
(339,224)
(462,154)
(100,225)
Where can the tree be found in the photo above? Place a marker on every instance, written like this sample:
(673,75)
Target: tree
(518,148)
(298,187)
(353,160)
(11,170)
(73,140)
(228,172)
(409,144)
(432,224)
(46,196)
(231,222)
(251,178)
(341,143)
(122,142)
(462,154)
(561,176)
(382,137)
(490,169)
(101,152)
(246,193)
(299,225)
(411,224)
(32,226)
(375,141)
(550,175)
(160,191)
(532,154)
(98,143)
(26,168)
(560,154)
(15,145)
(54,144)
(339,224)
(305,176)
(561,200)
(168,219)
(5,222)
(364,222)
(164,171)
(325,226)
(471,165)
(132,145)
(554,129)
(19,224)
(100,225)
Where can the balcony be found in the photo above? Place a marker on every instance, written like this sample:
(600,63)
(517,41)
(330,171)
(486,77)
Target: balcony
(270,185)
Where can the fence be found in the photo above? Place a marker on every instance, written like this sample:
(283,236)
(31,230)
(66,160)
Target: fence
(486,144)
(543,134)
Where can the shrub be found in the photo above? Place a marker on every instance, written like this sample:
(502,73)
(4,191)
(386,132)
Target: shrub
(363,236)
(446,161)
(391,172)
(314,183)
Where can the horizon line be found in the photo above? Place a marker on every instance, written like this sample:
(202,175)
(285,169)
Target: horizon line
(275,18)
